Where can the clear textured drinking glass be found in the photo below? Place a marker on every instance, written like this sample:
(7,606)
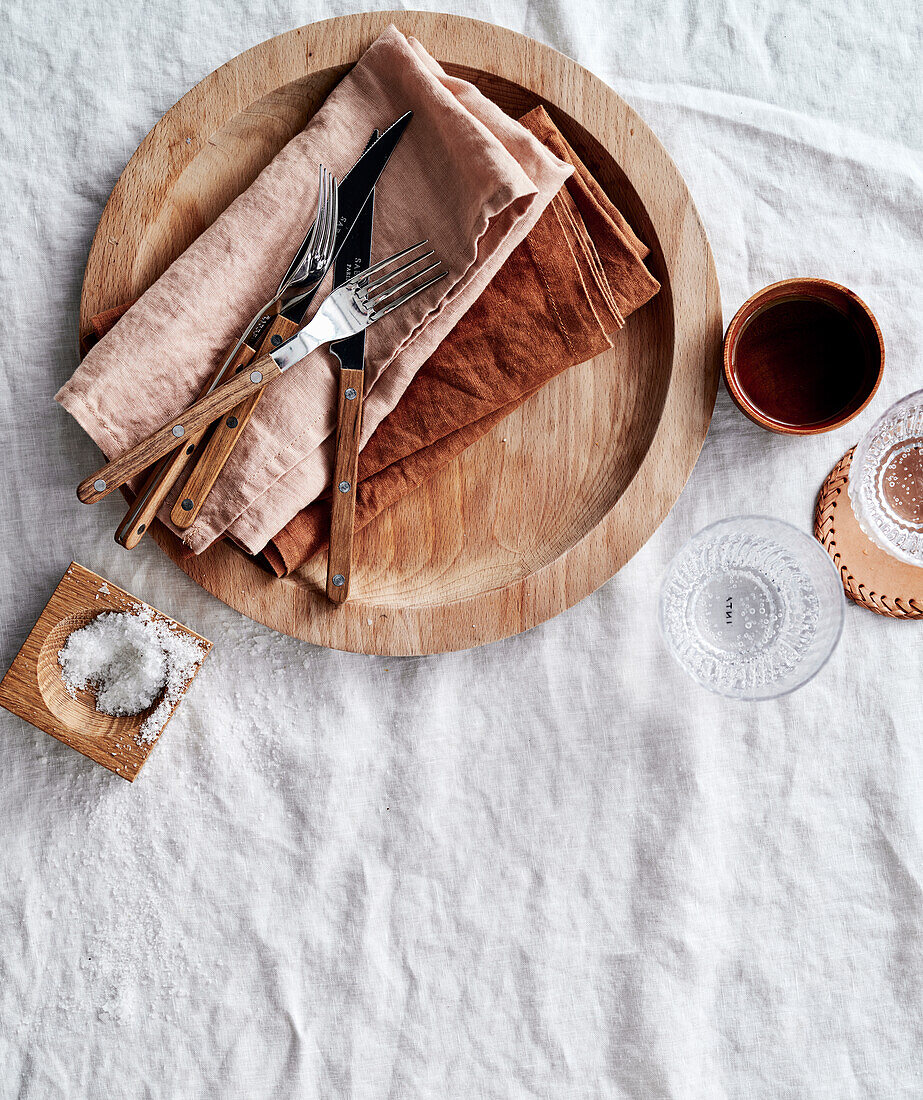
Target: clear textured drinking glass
(886,480)
(751,607)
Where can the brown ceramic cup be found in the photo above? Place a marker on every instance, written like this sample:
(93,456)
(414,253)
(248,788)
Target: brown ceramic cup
(803,356)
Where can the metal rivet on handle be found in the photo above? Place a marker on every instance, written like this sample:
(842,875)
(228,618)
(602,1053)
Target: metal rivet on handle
(188,505)
(343,486)
(179,431)
(232,421)
(339,580)
(275,340)
(99,485)
(256,377)
(350,394)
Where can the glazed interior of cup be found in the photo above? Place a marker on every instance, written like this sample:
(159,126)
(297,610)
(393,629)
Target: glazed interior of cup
(803,356)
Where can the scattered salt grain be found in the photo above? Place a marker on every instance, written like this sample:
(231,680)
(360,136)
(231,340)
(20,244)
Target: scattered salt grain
(184,656)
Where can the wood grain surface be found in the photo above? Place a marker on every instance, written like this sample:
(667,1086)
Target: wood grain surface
(33,687)
(227,431)
(350,396)
(167,472)
(548,506)
(154,490)
(191,423)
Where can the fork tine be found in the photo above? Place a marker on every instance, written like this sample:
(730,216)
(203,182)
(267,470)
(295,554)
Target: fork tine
(320,224)
(302,264)
(297,259)
(375,299)
(321,207)
(323,216)
(334,213)
(331,212)
(370,288)
(379,313)
(362,275)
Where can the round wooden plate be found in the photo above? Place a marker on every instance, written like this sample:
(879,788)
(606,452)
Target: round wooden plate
(551,504)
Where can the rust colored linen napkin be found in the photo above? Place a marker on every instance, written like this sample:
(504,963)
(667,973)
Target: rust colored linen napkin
(465,175)
(553,304)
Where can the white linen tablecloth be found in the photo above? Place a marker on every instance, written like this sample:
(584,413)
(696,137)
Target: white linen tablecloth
(551,867)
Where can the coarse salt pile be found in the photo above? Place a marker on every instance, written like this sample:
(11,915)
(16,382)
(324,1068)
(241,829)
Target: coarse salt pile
(128,659)
(118,658)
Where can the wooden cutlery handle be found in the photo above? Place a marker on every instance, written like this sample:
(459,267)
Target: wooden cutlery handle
(167,472)
(151,495)
(227,431)
(194,419)
(343,496)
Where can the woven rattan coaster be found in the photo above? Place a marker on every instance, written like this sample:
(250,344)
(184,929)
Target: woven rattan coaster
(871,577)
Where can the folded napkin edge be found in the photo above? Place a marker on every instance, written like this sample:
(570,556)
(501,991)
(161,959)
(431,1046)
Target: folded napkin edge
(245,530)
(96,425)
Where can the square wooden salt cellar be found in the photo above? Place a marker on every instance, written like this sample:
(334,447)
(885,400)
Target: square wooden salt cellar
(34,689)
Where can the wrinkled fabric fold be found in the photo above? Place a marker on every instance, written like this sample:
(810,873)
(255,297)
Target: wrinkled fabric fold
(553,304)
(464,175)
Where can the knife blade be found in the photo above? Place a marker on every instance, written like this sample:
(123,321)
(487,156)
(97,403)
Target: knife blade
(282,322)
(349,187)
(355,256)
(353,194)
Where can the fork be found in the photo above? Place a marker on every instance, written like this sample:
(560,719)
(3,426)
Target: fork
(352,307)
(304,280)
(266,323)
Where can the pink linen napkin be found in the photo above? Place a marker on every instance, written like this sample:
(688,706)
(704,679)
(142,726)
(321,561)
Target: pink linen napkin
(465,175)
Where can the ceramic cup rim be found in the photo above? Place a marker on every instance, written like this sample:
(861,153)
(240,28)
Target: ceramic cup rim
(803,284)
